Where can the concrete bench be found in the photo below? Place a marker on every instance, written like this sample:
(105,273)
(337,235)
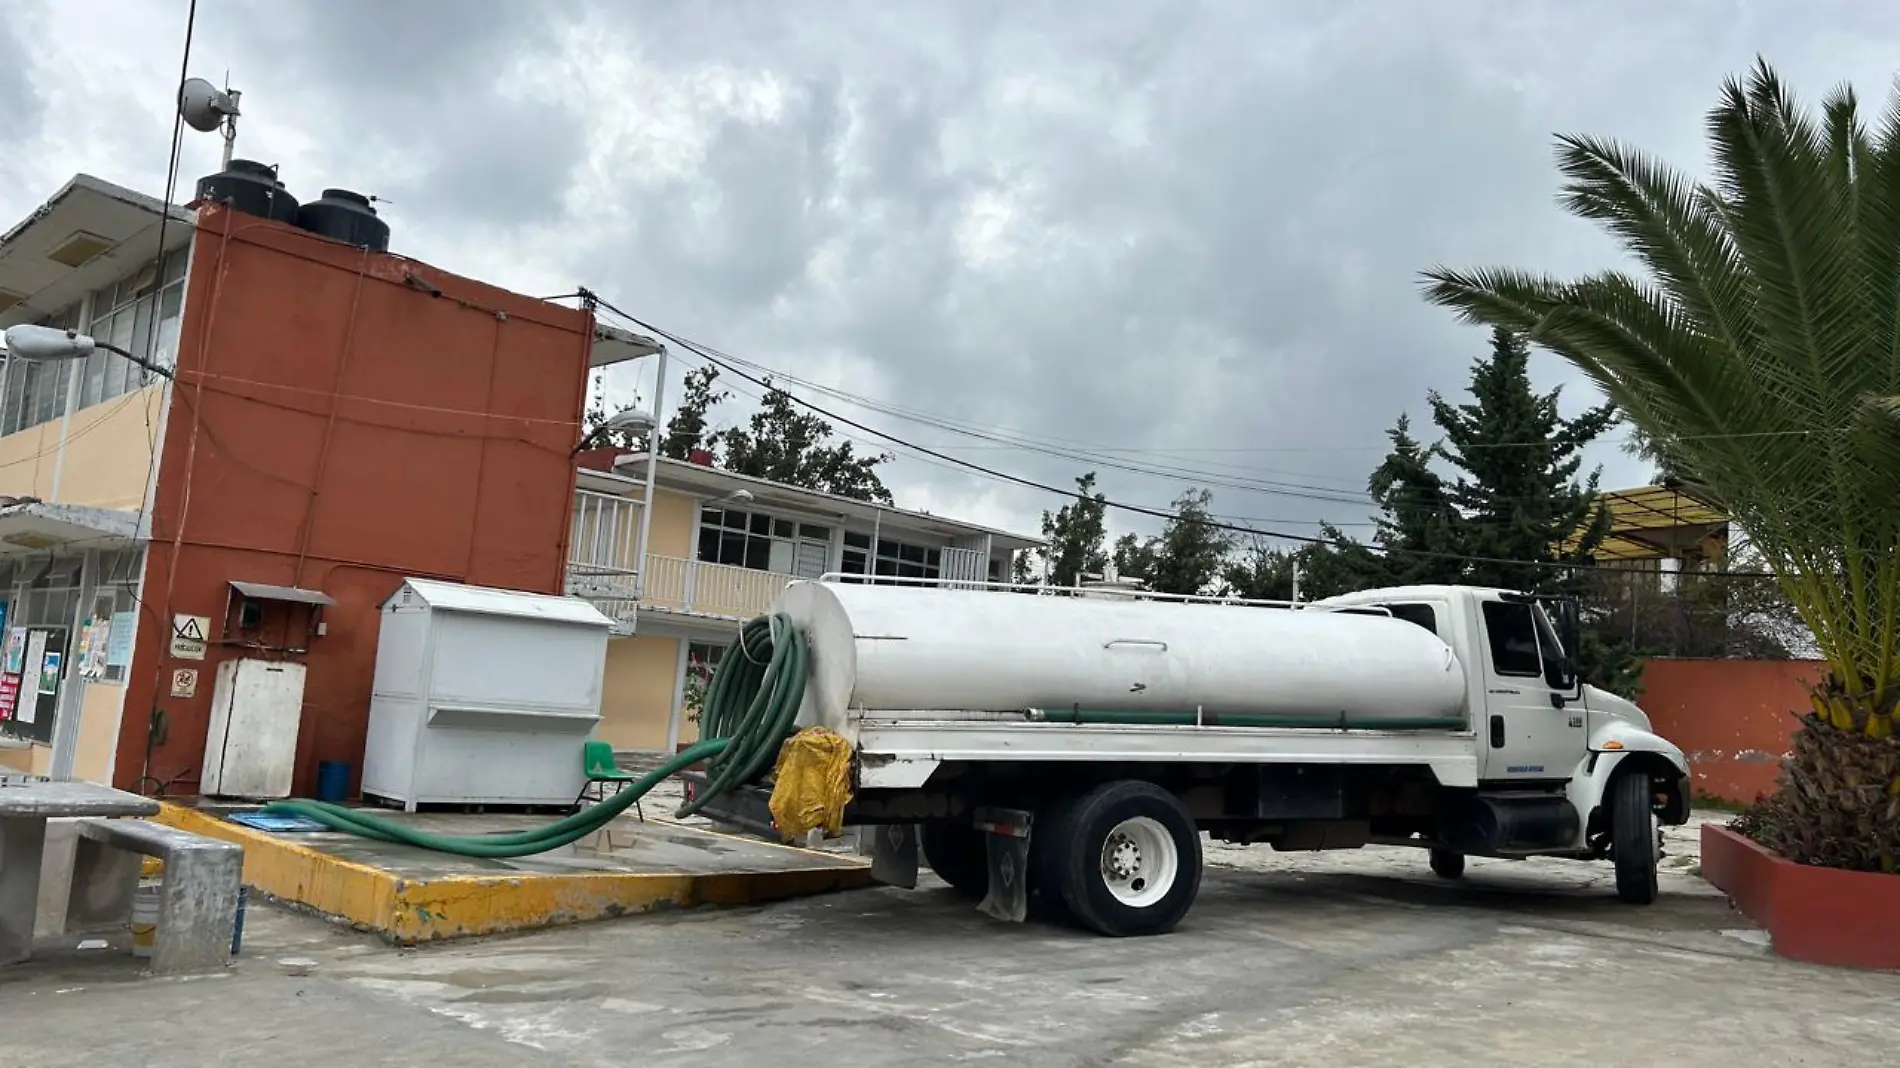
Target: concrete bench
(198,897)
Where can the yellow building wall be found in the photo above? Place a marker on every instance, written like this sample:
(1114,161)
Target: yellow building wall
(637,694)
(108,454)
(672,531)
(34,759)
(98,731)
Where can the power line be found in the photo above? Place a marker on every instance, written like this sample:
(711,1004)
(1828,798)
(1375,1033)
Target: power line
(1004,476)
(1024,441)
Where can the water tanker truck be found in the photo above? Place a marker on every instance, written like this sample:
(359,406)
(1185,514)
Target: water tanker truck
(1064,752)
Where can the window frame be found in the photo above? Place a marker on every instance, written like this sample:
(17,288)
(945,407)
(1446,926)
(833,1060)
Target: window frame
(1492,634)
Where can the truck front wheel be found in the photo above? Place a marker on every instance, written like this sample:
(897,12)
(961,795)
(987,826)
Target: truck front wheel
(1126,858)
(1633,841)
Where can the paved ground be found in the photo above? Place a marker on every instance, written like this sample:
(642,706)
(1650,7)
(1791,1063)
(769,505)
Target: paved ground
(1333,959)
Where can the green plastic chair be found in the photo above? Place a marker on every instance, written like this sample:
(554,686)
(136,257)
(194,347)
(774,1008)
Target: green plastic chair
(597,763)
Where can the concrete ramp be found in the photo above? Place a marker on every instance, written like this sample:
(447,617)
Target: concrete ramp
(411,895)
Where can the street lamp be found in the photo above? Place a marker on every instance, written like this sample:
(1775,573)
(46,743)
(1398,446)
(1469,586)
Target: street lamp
(48,344)
(631,419)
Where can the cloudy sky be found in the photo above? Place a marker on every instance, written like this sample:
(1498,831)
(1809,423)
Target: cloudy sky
(1176,237)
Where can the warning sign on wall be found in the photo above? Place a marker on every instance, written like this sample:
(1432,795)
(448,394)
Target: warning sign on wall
(188,636)
(184,682)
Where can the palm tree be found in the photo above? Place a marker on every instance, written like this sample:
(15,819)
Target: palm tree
(1758,353)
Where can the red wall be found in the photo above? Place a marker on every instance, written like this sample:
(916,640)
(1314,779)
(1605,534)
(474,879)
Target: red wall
(335,427)
(1733,718)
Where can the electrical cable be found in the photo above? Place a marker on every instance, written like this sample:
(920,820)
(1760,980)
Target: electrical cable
(1137,509)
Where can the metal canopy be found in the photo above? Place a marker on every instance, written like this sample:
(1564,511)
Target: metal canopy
(293,594)
(1656,522)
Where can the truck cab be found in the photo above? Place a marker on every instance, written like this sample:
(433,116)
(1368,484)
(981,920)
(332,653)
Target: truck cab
(1540,732)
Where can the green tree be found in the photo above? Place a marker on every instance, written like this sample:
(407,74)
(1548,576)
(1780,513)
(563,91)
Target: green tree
(1133,556)
(784,443)
(595,433)
(1517,495)
(1418,529)
(686,431)
(1189,556)
(1259,571)
(1075,533)
(1756,351)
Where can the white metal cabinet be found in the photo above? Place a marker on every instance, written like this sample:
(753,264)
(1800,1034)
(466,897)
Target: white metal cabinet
(482,696)
(251,744)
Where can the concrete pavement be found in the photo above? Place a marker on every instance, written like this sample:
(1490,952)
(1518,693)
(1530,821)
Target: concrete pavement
(1350,958)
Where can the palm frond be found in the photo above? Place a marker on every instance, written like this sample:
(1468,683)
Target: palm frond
(1763,349)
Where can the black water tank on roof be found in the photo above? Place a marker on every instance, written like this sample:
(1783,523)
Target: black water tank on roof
(250,187)
(347,217)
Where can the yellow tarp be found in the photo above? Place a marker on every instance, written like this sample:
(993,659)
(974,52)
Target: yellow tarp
(813,783)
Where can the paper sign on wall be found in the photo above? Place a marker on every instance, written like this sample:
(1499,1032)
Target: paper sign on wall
(184,683)
(92,646)
(49,672)
(119,641)
(16,651)
(27,710)
(9,695)
(188,636)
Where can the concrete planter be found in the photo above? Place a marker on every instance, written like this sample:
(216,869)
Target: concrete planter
(1827,916)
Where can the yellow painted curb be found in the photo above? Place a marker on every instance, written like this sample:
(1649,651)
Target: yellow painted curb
(463,906)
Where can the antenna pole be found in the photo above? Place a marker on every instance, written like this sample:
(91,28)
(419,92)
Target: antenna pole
(230,122)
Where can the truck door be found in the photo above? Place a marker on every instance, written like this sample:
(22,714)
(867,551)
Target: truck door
(1529,729)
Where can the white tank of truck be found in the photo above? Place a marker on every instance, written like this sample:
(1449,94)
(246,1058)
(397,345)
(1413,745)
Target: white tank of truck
(935,652)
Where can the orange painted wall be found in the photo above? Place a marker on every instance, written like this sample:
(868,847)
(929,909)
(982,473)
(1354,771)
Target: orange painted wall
(335,426)
(1732,718)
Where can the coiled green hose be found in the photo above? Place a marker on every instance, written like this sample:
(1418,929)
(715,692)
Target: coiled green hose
(749,711)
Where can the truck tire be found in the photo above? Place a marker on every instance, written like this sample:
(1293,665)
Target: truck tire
(1447,863)
(1127,859)
(959,856)
(1047,836)
(1633,837)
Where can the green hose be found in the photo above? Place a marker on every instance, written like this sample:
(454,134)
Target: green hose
(749,711)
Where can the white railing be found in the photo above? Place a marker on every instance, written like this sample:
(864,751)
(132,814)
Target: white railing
(710,589)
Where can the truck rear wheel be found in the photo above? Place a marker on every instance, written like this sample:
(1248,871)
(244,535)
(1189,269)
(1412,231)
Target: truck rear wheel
(958,854)
(1126,859)
(1633,837)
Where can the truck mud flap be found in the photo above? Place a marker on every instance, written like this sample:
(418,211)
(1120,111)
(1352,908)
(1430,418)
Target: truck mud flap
(892,848)
(1006,830)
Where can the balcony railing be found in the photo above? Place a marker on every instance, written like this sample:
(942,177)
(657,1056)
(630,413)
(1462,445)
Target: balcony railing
(710,589)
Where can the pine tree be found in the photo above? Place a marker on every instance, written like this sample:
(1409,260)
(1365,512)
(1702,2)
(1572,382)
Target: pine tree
(1517,496)
(1418,530)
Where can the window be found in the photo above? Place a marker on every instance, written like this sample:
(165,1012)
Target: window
(139,313)
(36,392)
(1511,628)
(1421,614)
(763,542)
(896,559)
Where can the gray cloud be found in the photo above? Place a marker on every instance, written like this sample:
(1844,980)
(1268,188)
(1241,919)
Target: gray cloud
(1140,225)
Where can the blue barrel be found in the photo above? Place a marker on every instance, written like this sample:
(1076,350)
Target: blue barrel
(333,781)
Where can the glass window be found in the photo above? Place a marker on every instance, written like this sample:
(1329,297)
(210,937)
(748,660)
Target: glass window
(763,542)
(893,558)
(1421,614)
(1511,629)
